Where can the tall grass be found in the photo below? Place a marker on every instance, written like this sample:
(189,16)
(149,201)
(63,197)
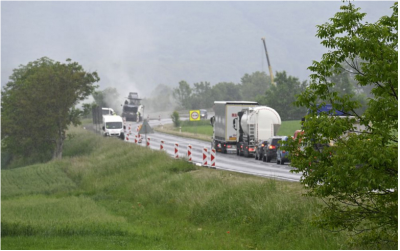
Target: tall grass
(107,194)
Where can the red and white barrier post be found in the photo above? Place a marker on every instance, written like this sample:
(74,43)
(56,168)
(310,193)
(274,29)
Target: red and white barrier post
(136,138)
(212,160)
(176,151)
(148,142)
(189,153)
(205,156)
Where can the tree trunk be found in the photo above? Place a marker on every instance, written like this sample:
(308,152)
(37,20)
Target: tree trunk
(57,154)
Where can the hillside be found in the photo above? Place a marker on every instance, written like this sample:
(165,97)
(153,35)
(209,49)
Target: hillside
(107,194)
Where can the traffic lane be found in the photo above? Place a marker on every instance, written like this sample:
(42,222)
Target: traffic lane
(230,162)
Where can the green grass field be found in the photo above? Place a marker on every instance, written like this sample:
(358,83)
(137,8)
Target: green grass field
(107,194)
(203,127)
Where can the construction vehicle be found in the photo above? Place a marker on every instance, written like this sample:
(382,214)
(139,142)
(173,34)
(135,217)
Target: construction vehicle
(269,64)
(132,110)
(253,125)
(224,137)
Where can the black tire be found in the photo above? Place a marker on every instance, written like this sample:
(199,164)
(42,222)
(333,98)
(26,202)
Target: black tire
(282,162)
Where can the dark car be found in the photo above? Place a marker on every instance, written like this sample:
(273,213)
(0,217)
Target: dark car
(282,156)
(203,114)
(271,147)
(260,150)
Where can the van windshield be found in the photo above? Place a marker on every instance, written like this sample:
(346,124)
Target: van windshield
(106,112)
(114,125)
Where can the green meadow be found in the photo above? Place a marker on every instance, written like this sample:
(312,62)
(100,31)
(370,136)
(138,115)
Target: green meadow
(203,127)
(108,194)
(203,130)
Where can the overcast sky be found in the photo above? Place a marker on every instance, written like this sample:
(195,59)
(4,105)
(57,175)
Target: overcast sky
(135,46)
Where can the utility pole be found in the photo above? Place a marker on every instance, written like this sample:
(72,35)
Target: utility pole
(269,65)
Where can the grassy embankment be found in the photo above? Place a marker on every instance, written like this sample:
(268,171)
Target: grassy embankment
(203,130)
(107,194)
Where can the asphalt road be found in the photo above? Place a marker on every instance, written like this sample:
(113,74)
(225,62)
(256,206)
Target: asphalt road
(230,162)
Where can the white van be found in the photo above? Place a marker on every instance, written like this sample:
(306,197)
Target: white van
(113,126)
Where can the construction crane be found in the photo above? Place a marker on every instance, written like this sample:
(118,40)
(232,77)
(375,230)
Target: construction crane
(269,65)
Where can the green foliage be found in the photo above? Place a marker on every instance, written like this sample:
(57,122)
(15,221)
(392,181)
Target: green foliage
(226,92)
(175,119)
(357,176)
(254,85)
(38,104)
(282,96)
(182,94)
(109,97)
(106,97)
(202,95)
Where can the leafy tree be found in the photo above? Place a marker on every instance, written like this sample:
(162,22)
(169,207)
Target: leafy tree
(282,96)
(38,104)
(254,85)
(226,92)
(87,109)
(183,94)
(109,97)
(202,96)
(357,177)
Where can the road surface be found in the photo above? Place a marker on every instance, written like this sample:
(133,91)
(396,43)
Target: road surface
(230,162)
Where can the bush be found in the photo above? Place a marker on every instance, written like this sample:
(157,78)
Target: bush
(175,119)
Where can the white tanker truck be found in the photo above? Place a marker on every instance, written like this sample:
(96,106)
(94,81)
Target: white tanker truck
(255,124)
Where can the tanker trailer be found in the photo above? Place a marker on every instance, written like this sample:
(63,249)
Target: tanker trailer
(255,124)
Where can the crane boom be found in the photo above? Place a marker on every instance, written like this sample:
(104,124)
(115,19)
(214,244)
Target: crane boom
(269,65)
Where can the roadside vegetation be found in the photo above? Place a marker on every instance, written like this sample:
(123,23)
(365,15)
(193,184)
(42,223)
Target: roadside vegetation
(106,194)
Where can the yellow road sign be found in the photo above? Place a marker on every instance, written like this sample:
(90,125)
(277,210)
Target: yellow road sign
(194,115)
